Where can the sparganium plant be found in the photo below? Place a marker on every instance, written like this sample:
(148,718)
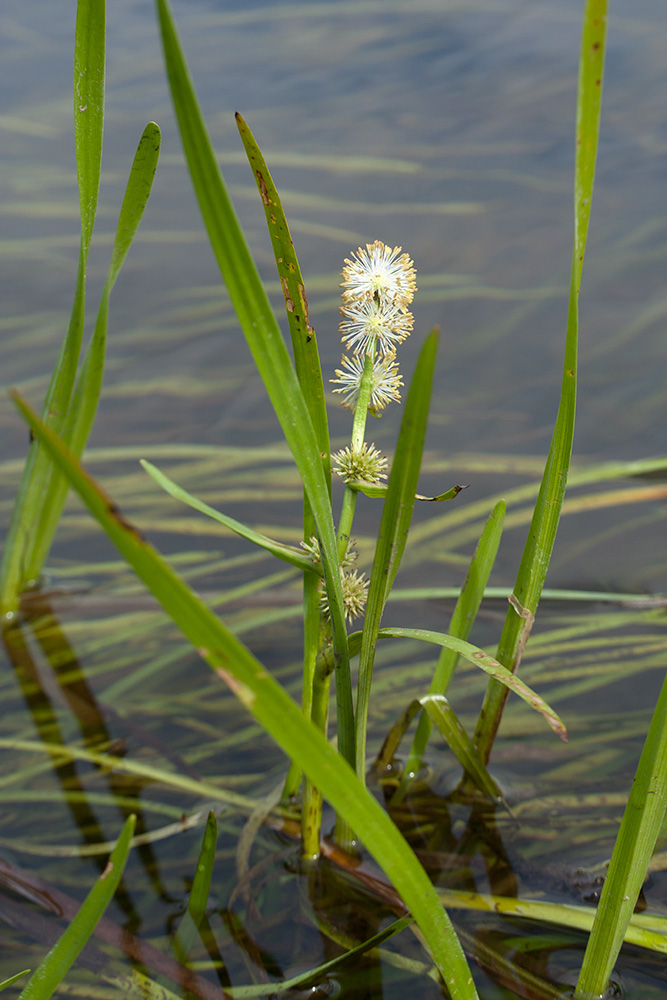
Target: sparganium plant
(378,288)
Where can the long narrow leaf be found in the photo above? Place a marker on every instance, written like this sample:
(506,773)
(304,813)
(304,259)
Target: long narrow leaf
(285,552)
(640,826)
(451,728)
(50,973)
(86,396)
(17,566)
(396,517)
(304,340)
(478,658)
(461,623)
(13,979)
(279,715)
(562,914)
(135,199)
(188,928)
(320,974)
(544,523)
(309,375)
(266,344)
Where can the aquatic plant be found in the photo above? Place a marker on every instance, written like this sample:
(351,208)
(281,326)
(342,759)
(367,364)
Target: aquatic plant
(378,285)
(71,399)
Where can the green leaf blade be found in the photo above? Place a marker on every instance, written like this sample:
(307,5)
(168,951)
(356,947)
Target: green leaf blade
(89,72)
(282,718)
(13,979)
(546,516)
(284,552)
(266,345)
(642,820)
(465,612)
(304,340)
(450,727)
(396,517)
(22,555)
(188,928)
(83,406)
(50,973)
(478,658)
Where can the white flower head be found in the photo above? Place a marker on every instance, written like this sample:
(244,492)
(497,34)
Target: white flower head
(385,380)
(381,273)
(368,324)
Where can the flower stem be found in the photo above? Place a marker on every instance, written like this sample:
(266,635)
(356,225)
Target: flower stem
(311,802)
(356,443)
(346,518)
(364,398)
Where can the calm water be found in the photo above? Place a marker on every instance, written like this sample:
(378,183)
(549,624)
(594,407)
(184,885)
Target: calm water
(447,129)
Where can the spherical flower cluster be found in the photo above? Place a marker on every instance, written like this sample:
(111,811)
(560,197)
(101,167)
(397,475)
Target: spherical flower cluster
(355,592)
(369,324)
(380,273)
(367,463)
(385,380)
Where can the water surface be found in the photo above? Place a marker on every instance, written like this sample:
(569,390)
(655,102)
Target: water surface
(447,129)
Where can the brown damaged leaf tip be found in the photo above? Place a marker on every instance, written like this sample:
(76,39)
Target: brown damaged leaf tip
(455,490)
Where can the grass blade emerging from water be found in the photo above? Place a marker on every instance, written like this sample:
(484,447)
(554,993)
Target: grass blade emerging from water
(309,373)
(314,977)
(396,516)
(640,826)
(460,625)
(188,929)
(86,396)
(544,523)
(439,711)
(18,564)
(50,973)
(279,715)
(266,344)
